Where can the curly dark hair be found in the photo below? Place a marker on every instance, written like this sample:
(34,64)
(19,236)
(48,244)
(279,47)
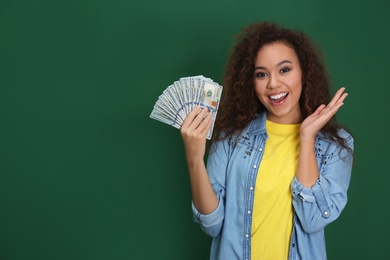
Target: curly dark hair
(240,104)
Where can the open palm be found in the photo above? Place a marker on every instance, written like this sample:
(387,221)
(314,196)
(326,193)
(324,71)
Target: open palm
(313,123)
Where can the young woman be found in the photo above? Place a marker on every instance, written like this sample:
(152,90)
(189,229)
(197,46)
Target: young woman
(279,166)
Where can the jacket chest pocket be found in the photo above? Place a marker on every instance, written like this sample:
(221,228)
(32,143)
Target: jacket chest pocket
(246,153)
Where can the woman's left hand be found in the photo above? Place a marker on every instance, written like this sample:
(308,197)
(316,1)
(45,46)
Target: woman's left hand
(313,123)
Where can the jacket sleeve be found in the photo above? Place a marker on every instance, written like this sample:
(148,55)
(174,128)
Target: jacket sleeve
(217,161)
(322,203)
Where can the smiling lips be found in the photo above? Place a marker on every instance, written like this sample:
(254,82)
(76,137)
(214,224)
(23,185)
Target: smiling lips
(278,98)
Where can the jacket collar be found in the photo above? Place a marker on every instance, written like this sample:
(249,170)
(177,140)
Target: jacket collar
(257,126)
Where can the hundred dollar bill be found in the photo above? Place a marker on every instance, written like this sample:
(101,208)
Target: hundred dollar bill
(181,97)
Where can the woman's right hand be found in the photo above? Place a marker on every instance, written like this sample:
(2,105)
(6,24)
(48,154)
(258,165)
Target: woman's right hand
(193,131)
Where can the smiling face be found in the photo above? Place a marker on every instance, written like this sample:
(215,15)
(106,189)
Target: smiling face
(278,82)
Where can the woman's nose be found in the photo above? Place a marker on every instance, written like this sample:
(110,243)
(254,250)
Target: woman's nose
(273,82)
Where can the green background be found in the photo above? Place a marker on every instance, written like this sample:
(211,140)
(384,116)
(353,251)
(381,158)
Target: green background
(86,174)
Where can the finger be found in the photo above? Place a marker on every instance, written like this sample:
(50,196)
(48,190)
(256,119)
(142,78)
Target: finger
(191,116)
(343,97)
(206,123)
(319,110)
(192,127)
(199,118)
(330,111)
(339,102)
(337,96)
(200,130)
(200,126)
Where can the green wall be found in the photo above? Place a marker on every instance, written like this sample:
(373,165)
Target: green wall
(86,174)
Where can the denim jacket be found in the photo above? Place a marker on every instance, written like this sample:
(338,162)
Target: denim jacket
(232,166)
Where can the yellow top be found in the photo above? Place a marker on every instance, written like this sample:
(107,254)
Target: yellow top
(272,212)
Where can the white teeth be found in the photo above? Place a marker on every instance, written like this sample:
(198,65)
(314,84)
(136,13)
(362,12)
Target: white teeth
(274,97)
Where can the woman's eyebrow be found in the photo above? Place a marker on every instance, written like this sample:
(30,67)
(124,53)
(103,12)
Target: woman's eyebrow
(260,68)
(282,62)
(277,65)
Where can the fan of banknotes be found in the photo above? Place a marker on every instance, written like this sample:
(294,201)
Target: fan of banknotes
(180,98)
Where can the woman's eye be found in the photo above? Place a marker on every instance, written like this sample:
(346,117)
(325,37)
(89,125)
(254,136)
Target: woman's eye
(261,75)
(284,70)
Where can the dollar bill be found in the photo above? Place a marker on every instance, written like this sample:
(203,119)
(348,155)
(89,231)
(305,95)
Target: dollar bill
(181,97)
